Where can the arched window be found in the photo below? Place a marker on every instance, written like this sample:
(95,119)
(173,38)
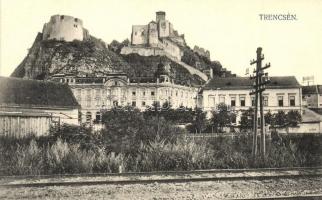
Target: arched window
(88,117)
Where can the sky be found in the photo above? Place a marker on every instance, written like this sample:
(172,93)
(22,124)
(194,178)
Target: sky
(230,29)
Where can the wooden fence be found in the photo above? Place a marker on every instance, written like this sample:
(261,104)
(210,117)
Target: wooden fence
(23,125)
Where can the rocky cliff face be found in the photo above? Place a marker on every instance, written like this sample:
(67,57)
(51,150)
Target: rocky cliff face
(87,58)
(91,58)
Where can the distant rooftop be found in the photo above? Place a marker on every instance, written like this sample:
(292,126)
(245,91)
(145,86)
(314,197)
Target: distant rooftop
(235,83)
(32,93)
(312,89)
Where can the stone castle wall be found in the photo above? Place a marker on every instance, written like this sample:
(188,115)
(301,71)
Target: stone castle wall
(165,27)
(153,34)
(201,51)
(139,34)
(64,28)
(143,51)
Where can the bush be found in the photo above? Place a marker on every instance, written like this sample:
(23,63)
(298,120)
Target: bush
(181,155)
(65,158)
(154,150)
(26,160)
(109,163)
(127,127)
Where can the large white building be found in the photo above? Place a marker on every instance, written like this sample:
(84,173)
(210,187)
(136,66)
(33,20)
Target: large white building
(117,89)
(283,93)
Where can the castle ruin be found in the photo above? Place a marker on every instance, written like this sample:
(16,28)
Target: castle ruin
(64,28)
(156,38)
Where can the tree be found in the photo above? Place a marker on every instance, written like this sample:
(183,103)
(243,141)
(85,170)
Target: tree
(116,46)
(122,126)
(293,118)
(268,118)
(199,121)
(247,119)
(222,117)
(279,119)
(126,128)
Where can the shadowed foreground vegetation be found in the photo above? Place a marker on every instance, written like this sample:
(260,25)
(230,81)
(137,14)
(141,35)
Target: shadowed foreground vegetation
(133,142)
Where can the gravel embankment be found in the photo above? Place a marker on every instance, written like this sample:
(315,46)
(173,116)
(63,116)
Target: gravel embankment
(167,191)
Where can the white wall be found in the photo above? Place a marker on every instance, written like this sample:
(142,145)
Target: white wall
(66,28)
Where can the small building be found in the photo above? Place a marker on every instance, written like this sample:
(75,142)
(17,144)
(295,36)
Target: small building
(31,106)
(312,96)
(282,93)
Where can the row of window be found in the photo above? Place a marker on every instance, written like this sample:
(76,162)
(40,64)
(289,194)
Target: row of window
(99,104)
(62,17)
(242,101)
(88,116)
(134,93)
(143,93)
(166,92)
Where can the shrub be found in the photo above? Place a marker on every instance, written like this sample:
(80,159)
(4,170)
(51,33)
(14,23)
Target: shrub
(231,152)
(109,163)
(180,155)
(65,158)
(127,127)
(25,160)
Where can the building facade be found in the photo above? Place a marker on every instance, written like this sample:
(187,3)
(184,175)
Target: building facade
(95,94)
(312,96)
(283,93)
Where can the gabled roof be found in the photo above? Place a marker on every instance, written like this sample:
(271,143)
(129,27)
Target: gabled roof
(312,89)
(32,93)
(235,83)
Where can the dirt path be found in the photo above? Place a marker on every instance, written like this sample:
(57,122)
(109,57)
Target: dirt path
(196,190)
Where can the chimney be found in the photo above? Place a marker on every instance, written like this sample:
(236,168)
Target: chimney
(160,15)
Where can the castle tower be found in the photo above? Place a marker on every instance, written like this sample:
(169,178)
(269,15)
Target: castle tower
(64,28)
(160,15)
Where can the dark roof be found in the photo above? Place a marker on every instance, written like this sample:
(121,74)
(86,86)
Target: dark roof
(33,93)
(235,83)
(312,89)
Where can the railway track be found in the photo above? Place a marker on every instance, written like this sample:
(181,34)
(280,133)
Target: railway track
(166,172)
(158,177)
(298,197)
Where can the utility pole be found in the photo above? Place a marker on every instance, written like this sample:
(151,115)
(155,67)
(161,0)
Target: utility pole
(259,87)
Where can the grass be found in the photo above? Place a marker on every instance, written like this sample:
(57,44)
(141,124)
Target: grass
(61,154)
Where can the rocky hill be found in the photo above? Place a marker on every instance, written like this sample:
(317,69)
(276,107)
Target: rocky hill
(82,58)
(91,58)
(190,57)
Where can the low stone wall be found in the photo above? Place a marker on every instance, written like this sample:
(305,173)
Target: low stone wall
(315,127)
